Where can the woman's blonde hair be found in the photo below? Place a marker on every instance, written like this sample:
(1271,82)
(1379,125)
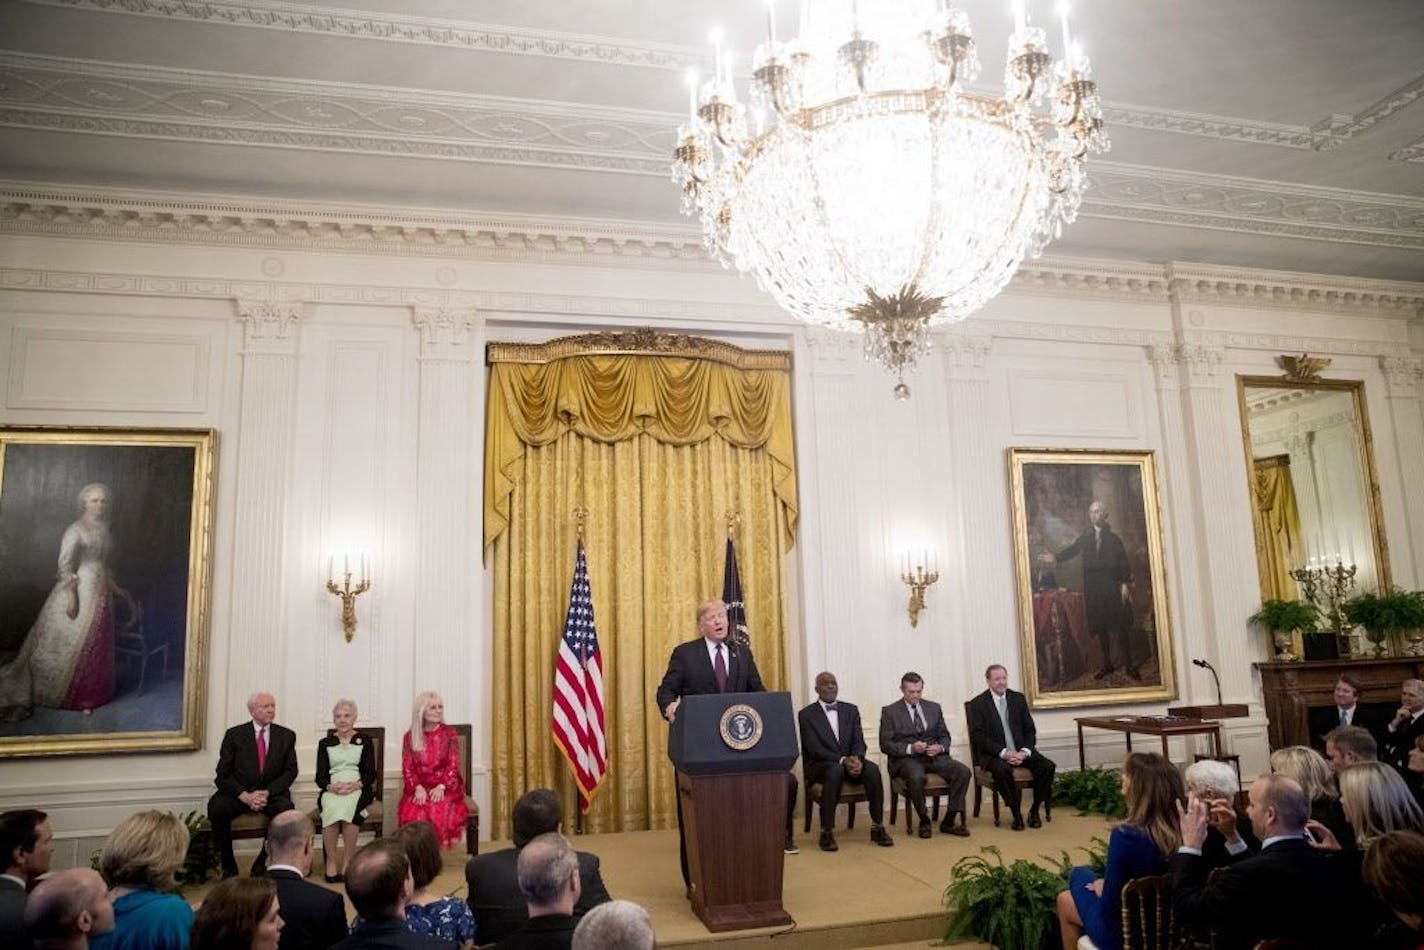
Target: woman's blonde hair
(1154,790)
(1376,801)
(145,850)
(1307,767)
(417,718)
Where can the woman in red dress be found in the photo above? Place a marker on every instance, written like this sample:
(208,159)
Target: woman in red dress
(430,764)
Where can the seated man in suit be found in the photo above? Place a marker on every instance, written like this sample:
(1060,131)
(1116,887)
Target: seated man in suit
(67,908)
(832,750)
(315,917)
(379,885)
(710,664)
(1283,892)
(494,896)
(915,740)
(26,844)
(1407,726)
(257,765)
(549,879)
(1345,712)
(1349,745)
(1002,737)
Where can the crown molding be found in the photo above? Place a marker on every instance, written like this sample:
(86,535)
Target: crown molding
(1294,291)
(396,28)
(1335,130)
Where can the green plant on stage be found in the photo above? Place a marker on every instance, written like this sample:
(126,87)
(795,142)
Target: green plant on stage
(1092,791)
(1008,905)
(1097,860)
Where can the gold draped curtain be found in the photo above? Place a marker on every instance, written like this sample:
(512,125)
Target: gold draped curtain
(658,448)
(1278,538)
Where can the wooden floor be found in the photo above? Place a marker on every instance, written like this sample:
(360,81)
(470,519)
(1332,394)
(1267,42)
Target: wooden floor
(859,896)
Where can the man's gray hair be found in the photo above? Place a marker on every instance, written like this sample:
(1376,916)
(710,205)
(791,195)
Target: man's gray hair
(1213,778)
(615,925)
(1414,686)
(545,866)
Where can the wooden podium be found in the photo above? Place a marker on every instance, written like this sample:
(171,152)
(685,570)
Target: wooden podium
(732,752)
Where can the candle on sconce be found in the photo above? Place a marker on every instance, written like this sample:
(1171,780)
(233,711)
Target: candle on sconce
(331,567)
(716,56)
(1067,39)
(364,573)
(692,95)
(771,20)
(346,562)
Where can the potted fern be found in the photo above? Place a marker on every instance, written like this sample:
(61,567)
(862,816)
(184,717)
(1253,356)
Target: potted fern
(1388,615)
(1284,617)
(1012,906)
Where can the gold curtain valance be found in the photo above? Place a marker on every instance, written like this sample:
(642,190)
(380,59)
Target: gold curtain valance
(612,387)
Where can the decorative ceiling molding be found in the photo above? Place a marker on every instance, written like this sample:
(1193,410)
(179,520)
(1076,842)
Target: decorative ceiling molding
(1335,130)
(1413,152)
(1210,126)
(1284,290)
(388,27)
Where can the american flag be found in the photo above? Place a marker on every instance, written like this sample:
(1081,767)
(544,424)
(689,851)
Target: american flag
(732,597)
(578,722)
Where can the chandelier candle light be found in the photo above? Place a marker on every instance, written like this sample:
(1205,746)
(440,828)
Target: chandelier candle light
(865,187)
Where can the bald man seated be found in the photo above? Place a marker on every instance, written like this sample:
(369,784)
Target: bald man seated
(67,908)
(315,918)
(257,765)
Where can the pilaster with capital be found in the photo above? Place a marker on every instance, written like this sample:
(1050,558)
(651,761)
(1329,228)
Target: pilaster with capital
(1403,375)
(446,488)
(266,422)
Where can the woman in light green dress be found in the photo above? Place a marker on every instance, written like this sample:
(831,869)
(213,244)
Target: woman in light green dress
(346,775)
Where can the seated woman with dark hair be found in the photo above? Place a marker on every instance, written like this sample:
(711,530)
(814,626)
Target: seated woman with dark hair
(1138,847)
(449,918)
(241,913)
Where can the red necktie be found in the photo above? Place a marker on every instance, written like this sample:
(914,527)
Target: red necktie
(262,749)
(719,670)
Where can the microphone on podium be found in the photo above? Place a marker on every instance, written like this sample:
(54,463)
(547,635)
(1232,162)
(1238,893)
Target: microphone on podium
(1207,666)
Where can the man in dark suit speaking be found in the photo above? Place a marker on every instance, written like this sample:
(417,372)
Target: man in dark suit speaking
(710,664)
(257,765)
(1002,737)
(833,750)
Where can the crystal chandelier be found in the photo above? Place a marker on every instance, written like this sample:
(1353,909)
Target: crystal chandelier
(866,187)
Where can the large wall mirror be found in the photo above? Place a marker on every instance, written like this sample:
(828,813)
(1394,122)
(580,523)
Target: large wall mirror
(1313,482)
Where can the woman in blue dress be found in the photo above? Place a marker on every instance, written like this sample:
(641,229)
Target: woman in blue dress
(1138,847)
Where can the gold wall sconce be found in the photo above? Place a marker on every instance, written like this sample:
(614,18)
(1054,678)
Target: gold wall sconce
(918,579)
(346,592)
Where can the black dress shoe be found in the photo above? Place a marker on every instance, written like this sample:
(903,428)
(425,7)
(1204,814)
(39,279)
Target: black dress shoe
(1018,824)
(334,878)
(880,836)
(1033,820)
(925,831)
(1102,672)
(790,846)
(828,840)
(959,831)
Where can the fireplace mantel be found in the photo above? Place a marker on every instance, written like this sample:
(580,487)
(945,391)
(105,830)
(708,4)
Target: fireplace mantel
(1292,689)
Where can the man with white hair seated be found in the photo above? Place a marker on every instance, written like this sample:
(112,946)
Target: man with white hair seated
(1229,834)
(615,925)
(68,907)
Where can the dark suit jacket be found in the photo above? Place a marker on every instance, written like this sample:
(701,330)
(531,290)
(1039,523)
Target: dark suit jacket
(819,747)
(1321,719)
(551,932)
(1105,570)
(1396,745)
(497,903)
(897,732)
(12,914)
(1285,891)
(237,761)
(986,732)
(315,917)
(689,673)
(391,935)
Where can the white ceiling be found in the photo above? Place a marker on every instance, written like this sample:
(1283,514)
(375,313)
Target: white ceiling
(1281,134)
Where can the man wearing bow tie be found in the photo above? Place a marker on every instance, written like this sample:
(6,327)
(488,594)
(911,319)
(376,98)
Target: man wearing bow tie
(257,765)
(833,750)
(1002,735)
(915,740)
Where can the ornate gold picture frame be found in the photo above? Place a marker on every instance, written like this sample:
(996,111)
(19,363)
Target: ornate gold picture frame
(1094,621)
(105,586)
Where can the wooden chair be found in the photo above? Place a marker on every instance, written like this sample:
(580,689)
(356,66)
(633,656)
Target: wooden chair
(130,639)
(852,794)
(1147,919)
(376,811)
(935,788)
(983,779)
(465,732)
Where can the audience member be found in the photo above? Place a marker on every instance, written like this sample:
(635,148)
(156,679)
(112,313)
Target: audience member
(427,913)
(915,740)
(66,908)
(239,914)
(1259,897)
(1407,726)
(1227,836)
(1394,869)
(314,917)
(1312,772)
(493,878)
(379,884)
(1136,848)
(833,750)
(430,765)
(549,879)
(1002,738)
(1348,746)
(257,765)
(1376,802)
(346,777)
(1346,711)
(27,842)
(140,860)
(616,925)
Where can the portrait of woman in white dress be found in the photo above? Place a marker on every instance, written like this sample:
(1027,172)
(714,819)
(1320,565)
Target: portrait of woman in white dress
(67,659)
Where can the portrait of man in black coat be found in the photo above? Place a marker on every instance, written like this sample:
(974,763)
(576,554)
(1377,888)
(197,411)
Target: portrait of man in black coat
(1107,580)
